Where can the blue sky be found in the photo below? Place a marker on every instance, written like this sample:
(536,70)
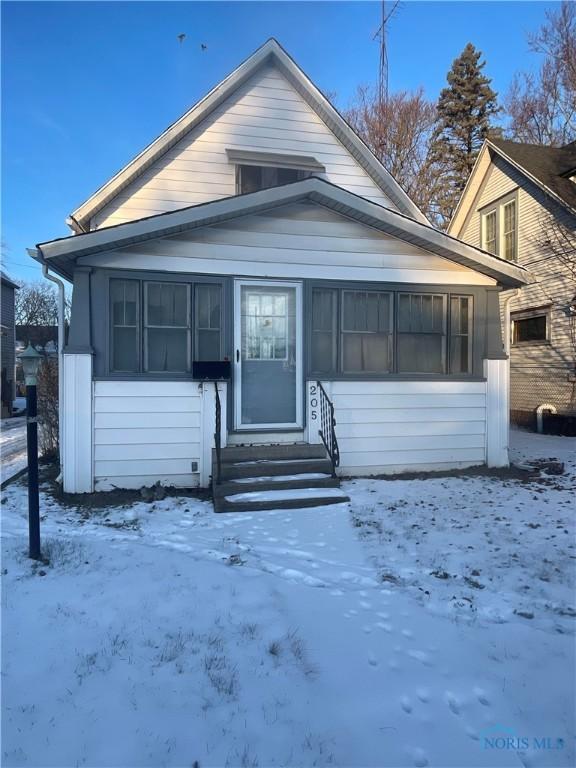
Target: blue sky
(86,85)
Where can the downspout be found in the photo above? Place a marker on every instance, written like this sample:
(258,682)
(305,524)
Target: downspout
(61,333)
(507,323)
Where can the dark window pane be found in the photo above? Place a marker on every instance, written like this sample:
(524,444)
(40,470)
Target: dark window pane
(323,330)
(208,306)
(250,177)
(459,354)
(404,312)
(124,354)
(530,329)
(420,353)
(167,349)
(322,351)
(207,345)
(367,352)
(167,304)
(288,175)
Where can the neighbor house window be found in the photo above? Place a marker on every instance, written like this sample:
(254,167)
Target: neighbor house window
(251,178)
(490,242)
(530,327)
(366,331)
(460,334)
(125,313)
(208,322)
(421,333)
(499,229)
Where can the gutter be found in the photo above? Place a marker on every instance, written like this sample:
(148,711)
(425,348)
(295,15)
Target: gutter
(36,254)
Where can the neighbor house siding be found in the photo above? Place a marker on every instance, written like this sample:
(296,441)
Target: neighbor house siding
(294,241)
(540,373)
(8,340)
(266,114)
(388,427)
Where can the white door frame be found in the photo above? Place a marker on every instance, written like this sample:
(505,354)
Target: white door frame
(238,284)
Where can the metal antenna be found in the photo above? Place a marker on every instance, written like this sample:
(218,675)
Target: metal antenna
(383,73)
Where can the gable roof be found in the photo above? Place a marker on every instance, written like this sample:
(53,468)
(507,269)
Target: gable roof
(549,168)
(270,52)
(62,253)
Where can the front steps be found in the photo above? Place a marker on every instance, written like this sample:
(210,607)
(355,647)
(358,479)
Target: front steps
(261,477)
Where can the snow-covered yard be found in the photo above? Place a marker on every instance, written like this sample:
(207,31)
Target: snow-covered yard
(428,622)
(12,446)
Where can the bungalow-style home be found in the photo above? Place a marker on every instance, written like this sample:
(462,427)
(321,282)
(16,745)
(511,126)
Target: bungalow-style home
(520,204)
(7,343)
(256,301)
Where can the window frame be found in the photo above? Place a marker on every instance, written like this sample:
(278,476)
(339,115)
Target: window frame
(444,335)
(113,325)
(341,332)
(267,166)
(195,321)
(146,326)
(528,314)
(106,369)
(469,335)
(498,207)
(475,295)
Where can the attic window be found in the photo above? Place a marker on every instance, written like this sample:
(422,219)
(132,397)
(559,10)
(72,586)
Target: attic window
(251,178)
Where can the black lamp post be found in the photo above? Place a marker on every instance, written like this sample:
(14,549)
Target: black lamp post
(30,360)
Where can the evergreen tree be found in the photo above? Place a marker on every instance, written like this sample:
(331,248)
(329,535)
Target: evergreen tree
(464,113)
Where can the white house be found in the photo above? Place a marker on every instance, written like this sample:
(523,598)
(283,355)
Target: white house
(259,229)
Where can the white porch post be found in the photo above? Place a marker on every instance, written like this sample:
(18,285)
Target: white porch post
(497,373)
(77,453)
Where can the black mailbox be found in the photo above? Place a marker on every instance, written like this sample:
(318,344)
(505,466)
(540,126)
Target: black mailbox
(211,370)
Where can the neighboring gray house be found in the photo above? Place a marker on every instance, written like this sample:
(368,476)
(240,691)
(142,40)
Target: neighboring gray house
(520,204)
(8,341)
(258,237)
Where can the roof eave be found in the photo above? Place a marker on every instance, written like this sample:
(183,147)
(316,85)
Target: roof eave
(66,250)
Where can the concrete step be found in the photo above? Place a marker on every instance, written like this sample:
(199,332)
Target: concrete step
(232,454)
(267,467)
(275,482)
(288,499)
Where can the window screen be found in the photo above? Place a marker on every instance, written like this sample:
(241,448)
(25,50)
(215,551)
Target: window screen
(251,178)
(421,334)
(366,331)
(208,302)
(124,322)
(460,334)
(167,327)
(324,330)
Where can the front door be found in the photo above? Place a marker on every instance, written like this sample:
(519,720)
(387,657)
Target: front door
(268,355)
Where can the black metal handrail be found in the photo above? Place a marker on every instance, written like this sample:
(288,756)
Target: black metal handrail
(217,434)
(327,429)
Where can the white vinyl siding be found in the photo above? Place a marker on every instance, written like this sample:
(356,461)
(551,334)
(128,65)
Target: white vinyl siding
(148,432)
(292,241)
(266,114)
(389,427)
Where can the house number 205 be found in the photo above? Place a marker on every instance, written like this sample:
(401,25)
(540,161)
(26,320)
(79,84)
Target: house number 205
(313,402)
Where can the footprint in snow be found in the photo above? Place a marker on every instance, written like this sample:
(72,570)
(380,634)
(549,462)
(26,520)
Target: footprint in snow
(423,694)
(419,757)
(372,660)
(383,615)
(383,625)
(406,705)
(482,696)
(366,605)
(453,703)
(407,633)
